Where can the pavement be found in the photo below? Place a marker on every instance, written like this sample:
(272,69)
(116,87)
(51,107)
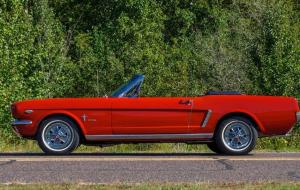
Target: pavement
(107,168)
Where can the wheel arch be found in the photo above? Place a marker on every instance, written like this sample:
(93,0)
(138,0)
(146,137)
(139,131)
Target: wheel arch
(70,116)
(257,124)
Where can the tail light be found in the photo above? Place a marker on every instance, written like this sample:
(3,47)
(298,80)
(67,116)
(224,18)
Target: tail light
(296,103)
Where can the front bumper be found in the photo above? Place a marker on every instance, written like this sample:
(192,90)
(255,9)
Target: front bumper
(21,122)
(298,116)
(18,126)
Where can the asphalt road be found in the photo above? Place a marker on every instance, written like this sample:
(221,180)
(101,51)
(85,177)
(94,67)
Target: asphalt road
(147,168)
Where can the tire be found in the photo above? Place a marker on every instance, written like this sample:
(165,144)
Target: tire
(213,147)
(58,135)
(236,136)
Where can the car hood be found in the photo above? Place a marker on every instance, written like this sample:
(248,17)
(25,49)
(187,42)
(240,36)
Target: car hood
(63,103)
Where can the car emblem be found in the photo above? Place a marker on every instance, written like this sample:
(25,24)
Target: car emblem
(84,117)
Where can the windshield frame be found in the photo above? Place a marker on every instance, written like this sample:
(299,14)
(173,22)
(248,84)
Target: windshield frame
(134,83)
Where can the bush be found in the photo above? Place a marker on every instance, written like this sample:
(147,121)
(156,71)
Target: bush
(65,48)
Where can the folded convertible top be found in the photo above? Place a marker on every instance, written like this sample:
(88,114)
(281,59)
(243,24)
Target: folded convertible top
(223,93)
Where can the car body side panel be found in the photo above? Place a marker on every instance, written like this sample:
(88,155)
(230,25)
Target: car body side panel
(273,115)
(150,115)
(196,121)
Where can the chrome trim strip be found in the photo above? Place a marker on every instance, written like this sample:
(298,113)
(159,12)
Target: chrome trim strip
(149,136)
(298,116)
(207,117)
(21,122)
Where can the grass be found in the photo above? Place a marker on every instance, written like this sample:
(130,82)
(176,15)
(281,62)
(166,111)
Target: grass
(279,144)
(200,186)
(31,146)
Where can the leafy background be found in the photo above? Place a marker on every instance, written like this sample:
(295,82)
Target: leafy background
(73,48)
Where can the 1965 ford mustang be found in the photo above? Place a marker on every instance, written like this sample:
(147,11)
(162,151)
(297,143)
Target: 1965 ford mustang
(228,122)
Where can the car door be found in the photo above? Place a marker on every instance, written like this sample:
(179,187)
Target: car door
(150,115)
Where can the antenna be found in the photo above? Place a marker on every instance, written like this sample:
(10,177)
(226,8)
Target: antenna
(98,93)
(190,80)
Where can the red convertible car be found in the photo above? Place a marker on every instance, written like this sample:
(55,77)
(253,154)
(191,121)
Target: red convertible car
(228,122)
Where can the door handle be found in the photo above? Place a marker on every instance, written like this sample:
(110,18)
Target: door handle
(185,102)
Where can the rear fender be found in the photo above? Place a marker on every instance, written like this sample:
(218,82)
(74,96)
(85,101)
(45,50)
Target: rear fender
(252,116)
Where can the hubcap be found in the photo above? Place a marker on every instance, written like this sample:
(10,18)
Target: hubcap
(57,135)
(237,135)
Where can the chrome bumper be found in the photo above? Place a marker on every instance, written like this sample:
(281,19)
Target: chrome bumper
(298,120)
(21,122)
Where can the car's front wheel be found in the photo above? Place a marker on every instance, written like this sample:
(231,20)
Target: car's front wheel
(58,135)
(236,136)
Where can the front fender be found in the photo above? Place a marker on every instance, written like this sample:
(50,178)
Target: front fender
(63,113)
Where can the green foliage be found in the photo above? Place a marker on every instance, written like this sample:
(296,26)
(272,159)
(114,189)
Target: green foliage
(64,48)
(275,51)
(32,56)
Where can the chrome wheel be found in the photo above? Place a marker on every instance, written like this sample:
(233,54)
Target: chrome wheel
(237,135)
(57,135)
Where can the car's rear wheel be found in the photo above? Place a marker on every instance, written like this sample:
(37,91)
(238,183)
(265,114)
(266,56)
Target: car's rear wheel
(58,135)
(236,136)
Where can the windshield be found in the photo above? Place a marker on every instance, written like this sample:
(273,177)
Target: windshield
(131,88)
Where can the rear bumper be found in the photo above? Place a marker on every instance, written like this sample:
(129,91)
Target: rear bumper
(298,120)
